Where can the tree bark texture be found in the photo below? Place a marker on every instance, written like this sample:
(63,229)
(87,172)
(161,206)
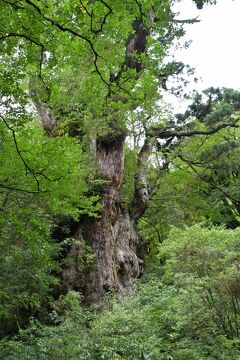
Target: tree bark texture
(112,237)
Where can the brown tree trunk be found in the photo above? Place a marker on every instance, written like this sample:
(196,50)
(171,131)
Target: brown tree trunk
(112,237)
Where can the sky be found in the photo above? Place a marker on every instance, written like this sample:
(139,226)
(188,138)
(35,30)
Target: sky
(215,48)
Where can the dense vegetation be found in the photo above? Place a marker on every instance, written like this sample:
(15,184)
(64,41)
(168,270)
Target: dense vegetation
(110,186)
(190,310)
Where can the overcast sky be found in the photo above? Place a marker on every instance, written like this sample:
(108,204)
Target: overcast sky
(215,50)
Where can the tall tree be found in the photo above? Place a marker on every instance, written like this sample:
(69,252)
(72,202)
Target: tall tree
(92,68)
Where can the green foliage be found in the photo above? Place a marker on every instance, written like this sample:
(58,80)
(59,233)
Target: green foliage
(177,200)
(201,3)
(129,329)
(219,112)
(67,53)
(75,52)
(201,180)
(75,49)
(40,178)
(192,312)
(52,168)
(202,264)
(212,163)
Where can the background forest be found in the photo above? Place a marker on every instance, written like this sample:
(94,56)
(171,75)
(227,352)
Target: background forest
(119,219)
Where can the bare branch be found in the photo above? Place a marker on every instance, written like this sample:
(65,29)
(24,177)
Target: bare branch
(141,192)
(187,21)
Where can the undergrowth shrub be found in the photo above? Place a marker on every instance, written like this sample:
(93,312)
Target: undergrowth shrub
(190,313)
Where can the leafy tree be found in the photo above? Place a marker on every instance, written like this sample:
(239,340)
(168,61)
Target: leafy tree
(215,162)
(195,179)
(41,179)
(201,3)
(90,75)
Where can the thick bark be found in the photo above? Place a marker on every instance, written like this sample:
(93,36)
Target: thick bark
(112,237)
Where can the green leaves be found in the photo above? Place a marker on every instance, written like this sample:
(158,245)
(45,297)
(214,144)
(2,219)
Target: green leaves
(90,39)
(219,113)
(192,312)
(203,264)
(40,177)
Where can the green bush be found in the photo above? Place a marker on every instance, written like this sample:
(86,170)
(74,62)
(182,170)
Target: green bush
(203,266)
(190,313)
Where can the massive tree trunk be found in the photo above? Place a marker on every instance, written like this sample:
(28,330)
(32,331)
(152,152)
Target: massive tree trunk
(103,257)
(112,237)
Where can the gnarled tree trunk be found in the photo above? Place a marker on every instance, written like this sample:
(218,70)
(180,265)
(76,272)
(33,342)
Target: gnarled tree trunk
(112,237)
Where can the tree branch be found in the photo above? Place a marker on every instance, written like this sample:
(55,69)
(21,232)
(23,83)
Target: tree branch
(13,5)
(48,120)
(103,22)
(208,180)
(3,37)
(186,21)
(13,188)
(28,169)
(73,32)
(166,133)
(142,192)
(141,188)
(91,15)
